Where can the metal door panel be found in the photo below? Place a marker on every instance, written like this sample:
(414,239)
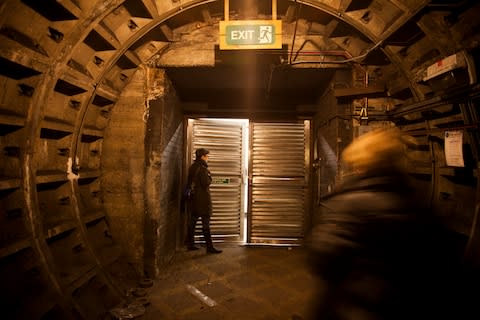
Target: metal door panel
(224,140)
(279,182)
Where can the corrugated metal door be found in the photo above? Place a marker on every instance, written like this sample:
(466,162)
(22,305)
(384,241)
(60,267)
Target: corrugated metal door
(224,139)
(279,162)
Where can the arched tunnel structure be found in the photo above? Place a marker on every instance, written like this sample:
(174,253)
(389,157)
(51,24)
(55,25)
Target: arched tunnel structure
(96,97)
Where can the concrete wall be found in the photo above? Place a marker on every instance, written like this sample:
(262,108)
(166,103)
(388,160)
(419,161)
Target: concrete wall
(332,132)
(164,159)
(123,171)
(142,173)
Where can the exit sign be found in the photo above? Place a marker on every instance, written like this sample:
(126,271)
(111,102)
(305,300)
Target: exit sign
(251,34)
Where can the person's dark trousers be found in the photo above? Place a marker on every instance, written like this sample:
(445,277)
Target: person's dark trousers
(192,221)
(205,229)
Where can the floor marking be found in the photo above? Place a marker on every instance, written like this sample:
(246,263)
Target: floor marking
(201,296)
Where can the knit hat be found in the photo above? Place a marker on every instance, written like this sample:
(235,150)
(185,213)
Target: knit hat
(201,152)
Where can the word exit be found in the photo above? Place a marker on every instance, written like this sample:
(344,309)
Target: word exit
(255,34)
(250,34)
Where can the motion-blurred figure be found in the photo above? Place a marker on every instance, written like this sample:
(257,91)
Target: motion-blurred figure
(378,253)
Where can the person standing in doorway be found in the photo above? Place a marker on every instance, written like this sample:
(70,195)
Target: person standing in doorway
(200,201)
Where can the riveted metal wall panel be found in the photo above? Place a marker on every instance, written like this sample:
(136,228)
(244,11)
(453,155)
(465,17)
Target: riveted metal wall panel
(224,140)
(279,162)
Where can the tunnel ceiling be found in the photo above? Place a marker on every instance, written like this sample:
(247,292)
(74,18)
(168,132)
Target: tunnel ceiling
(394,42)
(391,41)
(256,87)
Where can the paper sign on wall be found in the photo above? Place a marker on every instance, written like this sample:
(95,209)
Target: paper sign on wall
(453,148)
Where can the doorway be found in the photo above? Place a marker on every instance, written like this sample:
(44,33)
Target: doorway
(227,141)
(260,176)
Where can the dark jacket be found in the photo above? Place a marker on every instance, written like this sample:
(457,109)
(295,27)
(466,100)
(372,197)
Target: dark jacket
(200,202)
(379,254)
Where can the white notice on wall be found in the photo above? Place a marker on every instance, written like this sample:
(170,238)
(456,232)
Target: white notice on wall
(453,148)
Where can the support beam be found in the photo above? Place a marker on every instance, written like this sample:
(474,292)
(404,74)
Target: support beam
(330,27)
(226,10)
(167,32)
(207,17)
(151,7)
(360,92)
(290,14)
(274,9)
(343,6)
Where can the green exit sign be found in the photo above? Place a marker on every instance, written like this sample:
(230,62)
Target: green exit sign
(251,34)
(245,35)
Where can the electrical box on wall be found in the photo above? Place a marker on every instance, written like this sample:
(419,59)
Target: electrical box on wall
(456,70)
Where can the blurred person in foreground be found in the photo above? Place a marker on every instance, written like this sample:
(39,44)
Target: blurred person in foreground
(377,252)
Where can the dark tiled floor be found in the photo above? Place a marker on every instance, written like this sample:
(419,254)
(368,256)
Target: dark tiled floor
(244,282)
